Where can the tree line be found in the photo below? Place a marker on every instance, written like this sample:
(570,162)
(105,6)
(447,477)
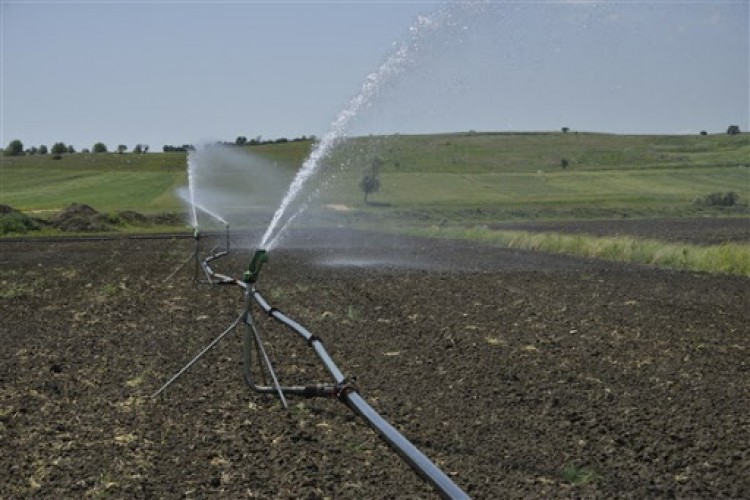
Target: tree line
(239,141)
(259,141)
(16,148)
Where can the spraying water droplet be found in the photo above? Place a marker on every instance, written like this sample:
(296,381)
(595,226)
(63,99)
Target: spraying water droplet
(395,64)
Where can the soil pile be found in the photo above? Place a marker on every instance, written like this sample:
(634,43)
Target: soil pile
(80,218)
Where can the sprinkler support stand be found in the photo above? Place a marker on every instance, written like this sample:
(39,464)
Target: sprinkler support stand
(341,389)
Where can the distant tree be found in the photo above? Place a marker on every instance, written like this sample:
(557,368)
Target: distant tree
(137,149)
(145,148)
(241,140)
(564,163)
(71,149)
(733,130)
(703,132)
(370,182)
(122,148)
(168,148)
(15,148)
(99,147)
(59,148)
(85,151)
(719,199)
(565,130)
(43,150)
(32,150)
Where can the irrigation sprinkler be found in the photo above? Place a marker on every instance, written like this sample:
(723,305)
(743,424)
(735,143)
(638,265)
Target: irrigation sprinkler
(259,258)
(342,388)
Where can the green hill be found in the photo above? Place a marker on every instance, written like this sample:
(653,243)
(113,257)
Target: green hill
(448,176)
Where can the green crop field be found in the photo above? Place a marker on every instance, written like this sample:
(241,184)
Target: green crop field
(448,185)
(522,175)
(506,175)
(109,182)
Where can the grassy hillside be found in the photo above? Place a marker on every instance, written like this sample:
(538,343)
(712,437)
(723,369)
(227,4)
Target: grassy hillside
(109,182)
(522,175)
(531,152)
(505,175)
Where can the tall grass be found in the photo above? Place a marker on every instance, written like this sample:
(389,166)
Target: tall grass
(728,258)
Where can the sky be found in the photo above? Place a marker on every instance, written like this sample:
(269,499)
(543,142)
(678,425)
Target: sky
(169,72)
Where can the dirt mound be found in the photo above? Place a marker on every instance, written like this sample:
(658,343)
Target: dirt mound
(132,217)
(79,217)
(167,219)
(75,210)
(138,219)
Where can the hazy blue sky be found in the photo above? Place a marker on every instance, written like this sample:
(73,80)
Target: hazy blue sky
(185,72)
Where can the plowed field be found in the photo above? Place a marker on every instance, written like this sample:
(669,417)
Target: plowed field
(520,374)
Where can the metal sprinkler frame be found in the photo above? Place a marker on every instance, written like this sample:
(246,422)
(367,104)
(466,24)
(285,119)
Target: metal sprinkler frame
(341,388)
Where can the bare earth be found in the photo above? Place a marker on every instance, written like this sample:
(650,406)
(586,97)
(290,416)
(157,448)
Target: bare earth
(520,374)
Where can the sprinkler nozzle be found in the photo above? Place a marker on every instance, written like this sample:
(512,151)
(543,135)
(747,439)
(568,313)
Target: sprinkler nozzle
(260,257)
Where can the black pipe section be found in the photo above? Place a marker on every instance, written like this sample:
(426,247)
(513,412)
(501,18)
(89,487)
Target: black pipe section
(314,342)
(410,453)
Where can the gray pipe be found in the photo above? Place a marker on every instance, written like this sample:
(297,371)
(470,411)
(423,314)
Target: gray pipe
(410,453)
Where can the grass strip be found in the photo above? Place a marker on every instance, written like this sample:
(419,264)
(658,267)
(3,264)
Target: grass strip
(727,258)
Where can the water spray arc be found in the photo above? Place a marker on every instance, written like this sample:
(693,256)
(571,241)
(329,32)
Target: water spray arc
(341,388)
(254,354)
(395,64)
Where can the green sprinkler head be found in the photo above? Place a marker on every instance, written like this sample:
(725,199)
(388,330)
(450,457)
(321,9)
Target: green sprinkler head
(260,257)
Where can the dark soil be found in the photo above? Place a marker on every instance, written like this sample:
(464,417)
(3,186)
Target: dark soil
(519,374)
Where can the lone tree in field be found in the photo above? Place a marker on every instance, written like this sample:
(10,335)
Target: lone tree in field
(71,149)
(59,148)
(370,182)
(122,148)
(99,147)
(43,149)
(15,148)
(565,130)
(733,130)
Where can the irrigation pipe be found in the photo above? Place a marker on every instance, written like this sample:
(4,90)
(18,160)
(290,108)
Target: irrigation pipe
(350,396)
(342,388)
